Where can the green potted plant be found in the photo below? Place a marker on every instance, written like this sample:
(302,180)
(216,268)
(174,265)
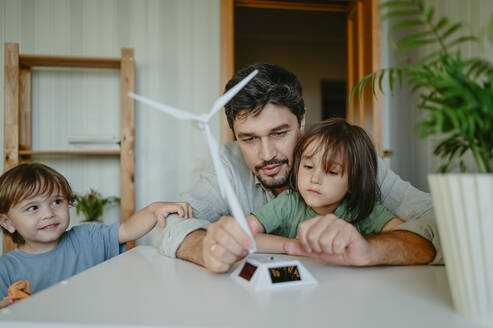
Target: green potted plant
(92,204)
(456,96)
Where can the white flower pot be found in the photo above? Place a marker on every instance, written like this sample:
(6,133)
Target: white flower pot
(464,210)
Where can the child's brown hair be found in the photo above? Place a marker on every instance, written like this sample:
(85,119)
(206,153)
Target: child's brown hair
(335,136)
(29,180)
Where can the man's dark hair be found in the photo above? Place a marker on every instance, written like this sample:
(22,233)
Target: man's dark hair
(272,85)
(335,136)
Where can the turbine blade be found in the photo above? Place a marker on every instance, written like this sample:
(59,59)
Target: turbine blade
(179,114)
(225,184)
(226,97)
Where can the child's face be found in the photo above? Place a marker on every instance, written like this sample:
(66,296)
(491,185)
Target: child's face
(321,191)
(40,220)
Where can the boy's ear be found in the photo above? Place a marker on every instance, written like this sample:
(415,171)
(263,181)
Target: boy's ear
(6,223)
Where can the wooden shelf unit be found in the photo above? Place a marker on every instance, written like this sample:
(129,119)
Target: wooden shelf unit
(28,153)
(18,112)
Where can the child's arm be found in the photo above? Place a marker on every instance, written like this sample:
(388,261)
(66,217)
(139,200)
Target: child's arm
(392,224)
(266,243)
(145,219)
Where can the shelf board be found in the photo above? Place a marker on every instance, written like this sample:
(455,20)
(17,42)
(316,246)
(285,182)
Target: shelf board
(69,152)
(69,61)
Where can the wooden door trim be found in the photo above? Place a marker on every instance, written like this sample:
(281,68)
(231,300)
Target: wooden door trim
(376,65)
(227,59)
(350,65)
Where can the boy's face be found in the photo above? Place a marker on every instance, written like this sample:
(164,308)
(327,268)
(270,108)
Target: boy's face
(267,142)
(321,190)
(40,220)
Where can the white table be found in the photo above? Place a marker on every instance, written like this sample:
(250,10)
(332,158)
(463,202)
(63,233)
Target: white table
(143,288)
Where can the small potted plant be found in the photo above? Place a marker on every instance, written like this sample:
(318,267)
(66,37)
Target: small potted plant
(92,204)
(456,97)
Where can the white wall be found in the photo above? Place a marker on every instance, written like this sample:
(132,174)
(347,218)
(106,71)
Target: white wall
(176,45)
(413,157)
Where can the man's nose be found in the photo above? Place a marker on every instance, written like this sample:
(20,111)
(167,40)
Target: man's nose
(267,149)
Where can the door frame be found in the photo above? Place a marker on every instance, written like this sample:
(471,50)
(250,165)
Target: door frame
(364,53)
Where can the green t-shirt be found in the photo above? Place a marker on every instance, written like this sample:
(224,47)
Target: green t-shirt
(282,215)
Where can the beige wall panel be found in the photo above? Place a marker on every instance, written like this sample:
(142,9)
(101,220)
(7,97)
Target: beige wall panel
(176,45)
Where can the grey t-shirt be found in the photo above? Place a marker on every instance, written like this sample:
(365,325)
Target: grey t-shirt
(79,249)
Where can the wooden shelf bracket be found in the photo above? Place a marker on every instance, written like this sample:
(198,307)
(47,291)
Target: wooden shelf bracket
(18,113)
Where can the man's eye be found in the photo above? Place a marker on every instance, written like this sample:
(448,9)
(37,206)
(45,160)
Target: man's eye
(251,139)
(280,133)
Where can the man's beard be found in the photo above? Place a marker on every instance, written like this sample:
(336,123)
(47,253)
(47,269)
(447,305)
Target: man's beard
(275,183)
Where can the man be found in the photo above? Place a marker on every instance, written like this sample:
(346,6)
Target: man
(267,117)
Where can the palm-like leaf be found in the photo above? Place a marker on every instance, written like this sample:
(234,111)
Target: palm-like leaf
(456,94)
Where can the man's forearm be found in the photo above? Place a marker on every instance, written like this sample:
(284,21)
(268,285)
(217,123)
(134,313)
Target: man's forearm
(400,248)
(191,247)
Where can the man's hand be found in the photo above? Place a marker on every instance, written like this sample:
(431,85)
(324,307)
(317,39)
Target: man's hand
(224,244)
(387,248)
(331,239)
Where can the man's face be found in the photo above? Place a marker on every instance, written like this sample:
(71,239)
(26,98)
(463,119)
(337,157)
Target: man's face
(267,142)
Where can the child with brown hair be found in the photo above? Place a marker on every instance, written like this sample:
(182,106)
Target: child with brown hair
(34,211)
(334,174)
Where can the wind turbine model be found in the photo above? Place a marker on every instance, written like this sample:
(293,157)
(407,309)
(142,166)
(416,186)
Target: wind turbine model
(203,123)
(259,271)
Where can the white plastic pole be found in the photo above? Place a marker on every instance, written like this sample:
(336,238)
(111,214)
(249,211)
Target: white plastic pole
(203,122)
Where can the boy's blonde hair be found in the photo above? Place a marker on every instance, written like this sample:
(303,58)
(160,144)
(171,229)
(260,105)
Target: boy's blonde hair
(30,180)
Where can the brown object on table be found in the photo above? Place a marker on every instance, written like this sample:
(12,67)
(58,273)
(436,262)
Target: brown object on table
(19,290)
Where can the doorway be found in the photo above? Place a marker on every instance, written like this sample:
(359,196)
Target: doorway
(325,43)
(311,44)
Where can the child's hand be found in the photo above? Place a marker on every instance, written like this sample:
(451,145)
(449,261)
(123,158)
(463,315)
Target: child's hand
(163,209)
(145,219)
(6,302)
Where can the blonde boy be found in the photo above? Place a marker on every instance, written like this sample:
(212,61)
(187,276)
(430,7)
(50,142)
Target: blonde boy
(34,211)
